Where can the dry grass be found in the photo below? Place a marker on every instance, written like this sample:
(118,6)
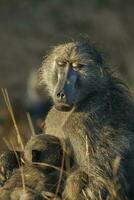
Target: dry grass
(9,107)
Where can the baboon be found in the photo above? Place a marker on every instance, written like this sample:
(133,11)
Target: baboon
(39,177)
(36,182)
(9,160)
(49,150)
(93,113)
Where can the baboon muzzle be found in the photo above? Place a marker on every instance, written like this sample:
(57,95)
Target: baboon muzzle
(65,88)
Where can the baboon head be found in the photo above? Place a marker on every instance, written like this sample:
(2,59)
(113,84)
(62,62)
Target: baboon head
(72,71)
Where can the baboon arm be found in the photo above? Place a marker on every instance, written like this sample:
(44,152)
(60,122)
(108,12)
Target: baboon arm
(105,163)
(101,182)
(107,169)
(107,179)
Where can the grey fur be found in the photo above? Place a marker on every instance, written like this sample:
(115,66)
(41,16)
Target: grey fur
(99,127)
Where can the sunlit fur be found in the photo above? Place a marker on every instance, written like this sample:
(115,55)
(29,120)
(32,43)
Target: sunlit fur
(99,128)
(89,74)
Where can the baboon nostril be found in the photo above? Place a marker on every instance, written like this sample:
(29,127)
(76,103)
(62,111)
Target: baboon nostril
(60,95)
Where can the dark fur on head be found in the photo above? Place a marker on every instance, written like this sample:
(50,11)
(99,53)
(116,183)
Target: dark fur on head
(89,74)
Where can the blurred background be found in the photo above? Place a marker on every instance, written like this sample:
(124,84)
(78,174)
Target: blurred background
(29,27)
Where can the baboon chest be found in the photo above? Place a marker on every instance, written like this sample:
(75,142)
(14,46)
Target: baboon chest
(69,126)
(54,123)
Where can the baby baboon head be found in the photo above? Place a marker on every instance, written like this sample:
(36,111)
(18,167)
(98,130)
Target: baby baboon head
(71,72)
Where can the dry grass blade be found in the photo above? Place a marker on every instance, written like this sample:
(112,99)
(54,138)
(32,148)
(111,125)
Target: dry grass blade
(47,165)
(21,169)
(49,196)
(85,195)
(31,124)
(11,146)
(9,107)
(23,179)
(61,172)
(7,143)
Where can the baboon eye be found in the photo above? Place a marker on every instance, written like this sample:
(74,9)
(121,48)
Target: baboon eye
(61,63)
(77,66)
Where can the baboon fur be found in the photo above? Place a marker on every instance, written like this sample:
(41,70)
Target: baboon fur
(36,183)
(99,127)
(9,160)
(38,178)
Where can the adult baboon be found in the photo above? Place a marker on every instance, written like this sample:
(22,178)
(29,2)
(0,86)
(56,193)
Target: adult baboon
(94,113)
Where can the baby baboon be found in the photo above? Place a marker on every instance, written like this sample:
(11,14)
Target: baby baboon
(39,178)
(49,150)
(94,113)
(29,183)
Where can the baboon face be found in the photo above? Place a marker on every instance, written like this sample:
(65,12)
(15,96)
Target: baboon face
(71,71)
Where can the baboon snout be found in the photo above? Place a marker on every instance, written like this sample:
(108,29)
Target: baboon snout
(65,91)
(62,100)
